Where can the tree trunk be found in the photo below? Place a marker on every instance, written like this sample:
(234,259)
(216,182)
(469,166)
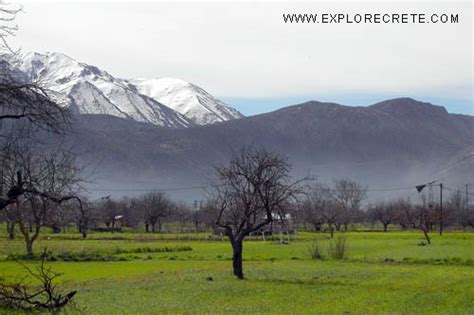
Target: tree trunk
(331,230)
(83,230)
(153,228)
(29,247)
(147,228)
(84,233)
(237,258)
(385,225)
(160,226)
(11,230)
(56,229)
(317,227)
(427,237)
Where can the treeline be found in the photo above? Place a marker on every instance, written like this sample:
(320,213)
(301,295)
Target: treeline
(336,207)
(320,208)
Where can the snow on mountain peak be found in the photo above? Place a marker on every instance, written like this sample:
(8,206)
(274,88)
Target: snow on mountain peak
(188,99)
(168,102)
(90,90)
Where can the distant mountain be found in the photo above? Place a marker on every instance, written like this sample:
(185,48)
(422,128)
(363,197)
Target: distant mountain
(90,90)
(396,143)
(188,99)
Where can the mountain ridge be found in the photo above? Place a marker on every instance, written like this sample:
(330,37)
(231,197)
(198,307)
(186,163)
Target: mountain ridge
(329,139)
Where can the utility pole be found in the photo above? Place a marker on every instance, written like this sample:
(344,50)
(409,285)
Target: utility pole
(441,209)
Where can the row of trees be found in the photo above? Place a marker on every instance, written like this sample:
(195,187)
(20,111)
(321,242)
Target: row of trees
(316,208)
(343,204)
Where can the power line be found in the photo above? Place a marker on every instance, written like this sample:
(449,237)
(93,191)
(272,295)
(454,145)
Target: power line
(203,187)
(213,186)
(157,189)
(457,190)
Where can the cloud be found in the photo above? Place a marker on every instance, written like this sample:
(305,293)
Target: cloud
(244,50)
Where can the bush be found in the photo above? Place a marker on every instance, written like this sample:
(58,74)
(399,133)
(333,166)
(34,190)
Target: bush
(97,255)
(153,250)
(337,249)
(44,297)
(315,251)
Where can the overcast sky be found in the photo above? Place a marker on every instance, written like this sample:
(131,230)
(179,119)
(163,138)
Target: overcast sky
(245,54)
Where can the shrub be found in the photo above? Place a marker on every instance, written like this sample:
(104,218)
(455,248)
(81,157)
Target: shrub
(315,251)
(337,249)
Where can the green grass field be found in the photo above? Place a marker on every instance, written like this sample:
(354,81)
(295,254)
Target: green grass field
(384,273)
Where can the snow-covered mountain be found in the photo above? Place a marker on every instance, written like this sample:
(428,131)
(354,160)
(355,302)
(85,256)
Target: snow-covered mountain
(90,90)
(188,99)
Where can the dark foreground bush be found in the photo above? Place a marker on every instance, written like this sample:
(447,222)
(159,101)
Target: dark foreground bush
(44,297)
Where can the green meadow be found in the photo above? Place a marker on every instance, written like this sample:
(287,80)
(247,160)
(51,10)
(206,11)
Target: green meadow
(133,273)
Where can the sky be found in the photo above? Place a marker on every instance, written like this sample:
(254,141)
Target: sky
(246,55)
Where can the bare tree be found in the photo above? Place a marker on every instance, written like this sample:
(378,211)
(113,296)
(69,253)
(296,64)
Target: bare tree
(455,208)
(17,102)
(9,216)
(423,220)
(385,213)
(466,217)
(250,190)
(19,98)
(420,216)
(208,214)
(110,211)
(30,101)
(8,27)
(156,206)
(348,196)
(24,107)
(317,206)
(48,179)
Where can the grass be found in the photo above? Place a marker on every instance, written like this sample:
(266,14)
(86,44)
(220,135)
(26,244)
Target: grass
(381,273)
